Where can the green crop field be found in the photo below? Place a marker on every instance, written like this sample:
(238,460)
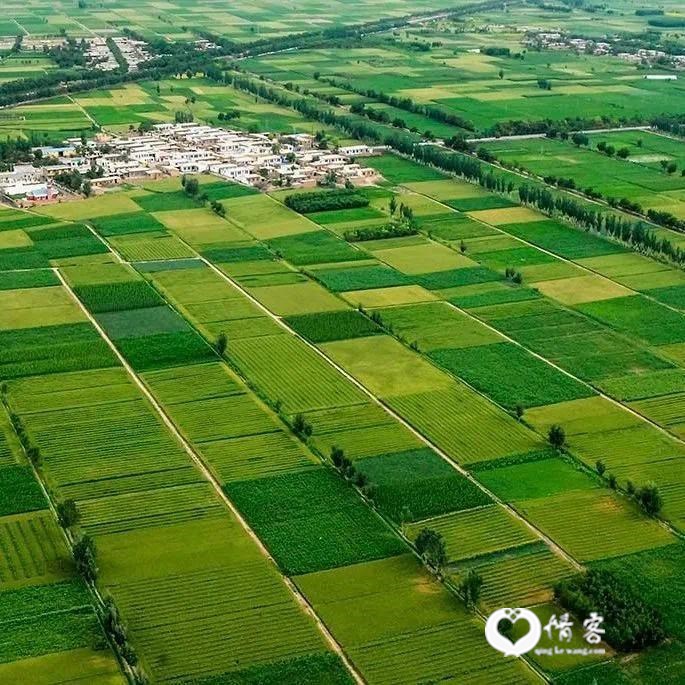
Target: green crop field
(286,431)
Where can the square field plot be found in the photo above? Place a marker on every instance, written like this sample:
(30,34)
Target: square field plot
(417,484)
(385,366)
(313,520)
(301,381)
(297,298)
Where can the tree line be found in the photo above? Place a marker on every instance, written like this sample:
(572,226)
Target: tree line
(636,234)
(405,103)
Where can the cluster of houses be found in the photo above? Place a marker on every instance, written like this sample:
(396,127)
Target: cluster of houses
(557,40)
(99,55)
(133,51)
(257,159)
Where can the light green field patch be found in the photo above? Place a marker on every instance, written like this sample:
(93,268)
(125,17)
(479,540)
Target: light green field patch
(507,215)
(144,249)
(420,259)
(436,325)
(16,238)
(587,415)
(623,264)
(446,189)
(574,519)
(534,273)
(422,205)
(385,366)
(263,217)
(96,667)
(35,307)
(656,279)
(297,298)
(582,289)
(387,297)
(477,531)
(465,425)
(80,210)
(199,226)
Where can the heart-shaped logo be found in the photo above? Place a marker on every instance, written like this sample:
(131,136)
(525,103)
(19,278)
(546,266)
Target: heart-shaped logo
(502,643)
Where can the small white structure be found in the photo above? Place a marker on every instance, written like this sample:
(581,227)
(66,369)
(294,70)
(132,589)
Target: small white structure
(190,148)
(661,77)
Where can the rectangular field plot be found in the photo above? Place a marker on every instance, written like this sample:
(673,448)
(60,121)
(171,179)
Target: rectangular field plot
(305,297)
(33,551)
(437,325)
(387,297)
(47,619)
(132,511)
(263,217)
(302,381)
(398,170)
(149,248)
(77,441)
(419,259)
(205,585)
(34,307)
(51,349)
(563,240)
(573,520)
(84,663)
(327,326)
(522,578)
(477,531)
(400,626)
(239,437)
(546,474)
(313,520)
(315,247)
(360,430)
(639,317)
(415,484)
(385,366)
(124,224)
(361,278)
(510,375)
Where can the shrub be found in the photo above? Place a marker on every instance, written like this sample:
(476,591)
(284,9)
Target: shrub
(304,203)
